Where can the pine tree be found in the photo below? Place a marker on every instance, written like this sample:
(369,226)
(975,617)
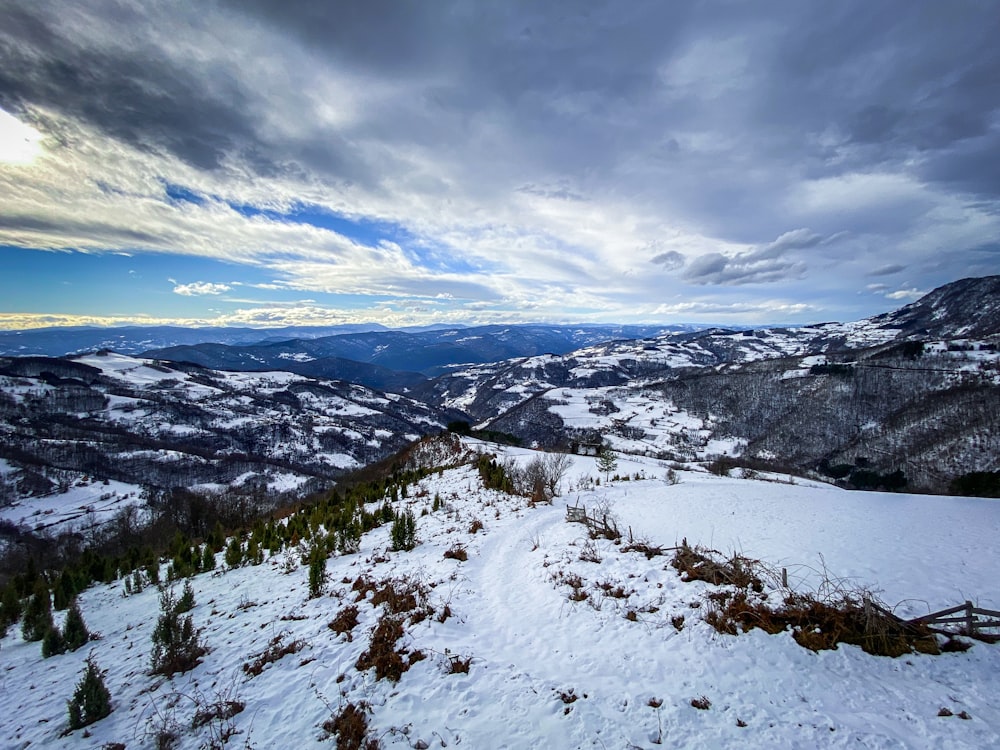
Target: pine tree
(75,630)
(403,532)
(176,646)
(186,602)
(53,643)
(91,700)
(606,462)
(234,553)
(37,614)
(317,570)
(64,591)
(208,558)
(10,608)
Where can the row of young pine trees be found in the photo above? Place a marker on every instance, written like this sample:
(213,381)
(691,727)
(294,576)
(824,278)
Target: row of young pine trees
(333,524)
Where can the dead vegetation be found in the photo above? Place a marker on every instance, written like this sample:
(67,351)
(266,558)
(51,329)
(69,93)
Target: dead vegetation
(275,650)
(350,727)
(381,654)
(345,621)
(834,614)
(697,564)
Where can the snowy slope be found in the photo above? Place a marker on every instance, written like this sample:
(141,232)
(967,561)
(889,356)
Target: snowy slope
(143,423)
(547,671)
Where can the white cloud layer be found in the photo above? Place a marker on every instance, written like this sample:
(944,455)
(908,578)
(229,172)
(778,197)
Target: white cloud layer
(535,162)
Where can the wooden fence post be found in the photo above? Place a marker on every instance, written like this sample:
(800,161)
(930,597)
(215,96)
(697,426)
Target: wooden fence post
(784,578)
(969,623)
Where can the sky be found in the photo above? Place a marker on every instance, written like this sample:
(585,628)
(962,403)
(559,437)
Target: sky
(261,163)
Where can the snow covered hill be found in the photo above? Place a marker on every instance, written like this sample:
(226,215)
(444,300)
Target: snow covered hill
(544,637)
(156,426)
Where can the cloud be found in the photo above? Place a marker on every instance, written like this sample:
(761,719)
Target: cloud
(670,260)
(200,288)
(529,157)
(761,265)
(887,270)
(906,294)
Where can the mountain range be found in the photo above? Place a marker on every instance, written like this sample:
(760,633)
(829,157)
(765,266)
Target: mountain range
(907,398)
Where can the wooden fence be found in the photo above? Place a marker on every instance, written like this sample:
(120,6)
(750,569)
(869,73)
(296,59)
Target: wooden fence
(971,619)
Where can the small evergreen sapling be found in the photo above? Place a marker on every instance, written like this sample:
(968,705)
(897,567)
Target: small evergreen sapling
(91,700)
(176,646)
(404,531)
(317,570)
(606,462)
(75,631)
(37,619)
(53,643)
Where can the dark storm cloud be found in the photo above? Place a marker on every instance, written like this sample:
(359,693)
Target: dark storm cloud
(145,98)
(670,260)
(556,138)
(896,81)
(765,264)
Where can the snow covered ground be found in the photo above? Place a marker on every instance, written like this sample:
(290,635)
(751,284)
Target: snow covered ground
(81,504)
(610,670)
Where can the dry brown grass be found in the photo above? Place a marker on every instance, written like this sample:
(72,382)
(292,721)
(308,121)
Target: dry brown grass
(698,564)
(350,727)
(381,653)
(345,621)
(275,650)
(836,613)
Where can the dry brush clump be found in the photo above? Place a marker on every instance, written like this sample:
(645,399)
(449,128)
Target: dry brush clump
(345,621)
(275,650)
(698,564)
(835,614)
(401,596)
(400,599)
(350,727)
(381,654)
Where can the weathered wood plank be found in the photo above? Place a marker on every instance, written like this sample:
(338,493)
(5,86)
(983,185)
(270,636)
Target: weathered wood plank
(942,613)
(946,620)
(985,612)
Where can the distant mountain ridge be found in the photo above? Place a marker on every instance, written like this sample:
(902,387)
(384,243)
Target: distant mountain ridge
(427,352)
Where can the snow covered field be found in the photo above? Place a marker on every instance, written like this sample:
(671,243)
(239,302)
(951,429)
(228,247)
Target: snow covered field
(610,670)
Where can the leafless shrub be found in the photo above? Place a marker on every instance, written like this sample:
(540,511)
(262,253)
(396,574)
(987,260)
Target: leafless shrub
(644,547)
(456,552)
(589,552)
(698,564)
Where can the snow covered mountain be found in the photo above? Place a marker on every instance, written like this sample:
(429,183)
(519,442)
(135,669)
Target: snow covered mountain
(428,352)
(507,627)
(69,427)
(915,391)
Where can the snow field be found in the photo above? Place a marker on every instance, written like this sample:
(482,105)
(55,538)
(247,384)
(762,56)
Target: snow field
(548,670)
